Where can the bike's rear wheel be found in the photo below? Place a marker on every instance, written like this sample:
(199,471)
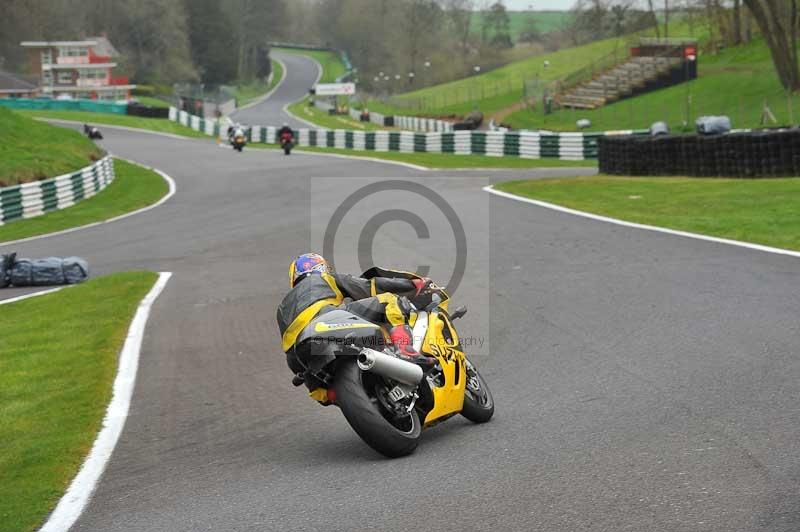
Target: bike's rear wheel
(478,401)
(358,396)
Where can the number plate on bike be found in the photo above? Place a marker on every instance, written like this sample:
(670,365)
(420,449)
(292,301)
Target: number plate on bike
(397,394)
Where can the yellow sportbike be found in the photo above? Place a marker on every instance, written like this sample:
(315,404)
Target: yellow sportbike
(386,399)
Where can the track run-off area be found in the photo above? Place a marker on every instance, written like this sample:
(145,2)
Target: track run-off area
(643,381)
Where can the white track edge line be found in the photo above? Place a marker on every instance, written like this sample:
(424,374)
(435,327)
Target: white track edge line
(123,128)
(80,490)
(738,243)
(28,296)
(286,107)
(170,193)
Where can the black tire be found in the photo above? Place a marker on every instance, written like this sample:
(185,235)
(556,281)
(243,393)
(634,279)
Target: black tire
(368,417)
(287,150)
(478,401)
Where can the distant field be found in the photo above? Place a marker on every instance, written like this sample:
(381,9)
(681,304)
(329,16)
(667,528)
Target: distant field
(504,87)
(546,21)
(498,88)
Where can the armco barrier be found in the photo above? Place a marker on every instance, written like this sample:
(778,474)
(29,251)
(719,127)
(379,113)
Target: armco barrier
(526,144)
(40,197)
(746,154)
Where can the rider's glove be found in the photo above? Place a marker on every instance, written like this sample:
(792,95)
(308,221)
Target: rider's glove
(421,285)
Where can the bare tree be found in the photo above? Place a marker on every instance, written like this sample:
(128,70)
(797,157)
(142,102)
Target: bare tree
(655,18)
(736,27)
(459,14)
(778,22)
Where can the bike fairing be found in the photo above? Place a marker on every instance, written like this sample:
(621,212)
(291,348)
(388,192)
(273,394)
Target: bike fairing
(377,382)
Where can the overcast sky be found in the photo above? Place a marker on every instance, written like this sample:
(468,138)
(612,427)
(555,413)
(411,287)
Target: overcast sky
(539,5)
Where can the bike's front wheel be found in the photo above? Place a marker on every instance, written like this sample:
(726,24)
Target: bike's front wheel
(363,399)
(478,401)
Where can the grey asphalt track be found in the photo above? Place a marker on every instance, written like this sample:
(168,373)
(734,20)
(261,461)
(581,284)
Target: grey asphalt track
(302,75)
(644,382)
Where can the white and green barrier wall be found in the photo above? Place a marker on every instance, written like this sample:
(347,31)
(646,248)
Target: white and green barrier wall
(34,199)
(532,145)
(411,123)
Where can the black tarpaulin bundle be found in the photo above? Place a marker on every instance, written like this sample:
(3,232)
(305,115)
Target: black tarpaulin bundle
(50,271)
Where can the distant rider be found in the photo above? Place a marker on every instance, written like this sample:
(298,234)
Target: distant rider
(383,299)
(285,130)
(234,131)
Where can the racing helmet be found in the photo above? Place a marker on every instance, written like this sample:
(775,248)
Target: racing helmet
(307,264)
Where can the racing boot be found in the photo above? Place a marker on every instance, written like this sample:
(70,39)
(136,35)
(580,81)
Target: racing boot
(403,342)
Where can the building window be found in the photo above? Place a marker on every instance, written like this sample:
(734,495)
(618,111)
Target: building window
(73,51)
(47,56)
(47,77)
(65,77)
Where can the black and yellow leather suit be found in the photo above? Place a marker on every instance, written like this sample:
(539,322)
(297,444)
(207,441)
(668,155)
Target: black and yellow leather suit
(380,299)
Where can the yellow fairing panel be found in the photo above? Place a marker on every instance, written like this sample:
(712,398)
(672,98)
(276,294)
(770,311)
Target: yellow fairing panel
(447,399)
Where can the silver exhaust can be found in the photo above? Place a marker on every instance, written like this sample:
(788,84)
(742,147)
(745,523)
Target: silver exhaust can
(389,366)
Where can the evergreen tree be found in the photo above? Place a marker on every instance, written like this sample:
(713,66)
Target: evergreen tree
(213,40)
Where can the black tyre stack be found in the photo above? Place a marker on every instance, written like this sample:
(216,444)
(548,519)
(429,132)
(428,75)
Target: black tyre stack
(766,153)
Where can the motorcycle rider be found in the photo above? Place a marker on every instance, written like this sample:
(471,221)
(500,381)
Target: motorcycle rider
(385,299)
(285,130)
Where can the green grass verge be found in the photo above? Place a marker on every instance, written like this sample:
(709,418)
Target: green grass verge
(152,102)
(58,360)
(248,92)
(134,187)
(445,160)
(321,118)
(332,66)
(763,211)
(162,125)
(31,150)
(736,82)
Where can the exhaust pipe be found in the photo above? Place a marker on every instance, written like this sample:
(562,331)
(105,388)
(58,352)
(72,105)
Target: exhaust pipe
(389,366)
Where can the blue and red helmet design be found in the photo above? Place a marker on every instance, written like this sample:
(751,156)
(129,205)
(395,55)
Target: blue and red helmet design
(305,264)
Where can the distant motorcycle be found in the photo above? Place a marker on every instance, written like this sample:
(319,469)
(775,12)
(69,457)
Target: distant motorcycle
(92,132)
(287,143)
(237,138)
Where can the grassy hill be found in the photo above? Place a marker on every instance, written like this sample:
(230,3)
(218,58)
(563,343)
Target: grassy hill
(504,87)
(32,150)
(736,82)
(498,88)
(546,21)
